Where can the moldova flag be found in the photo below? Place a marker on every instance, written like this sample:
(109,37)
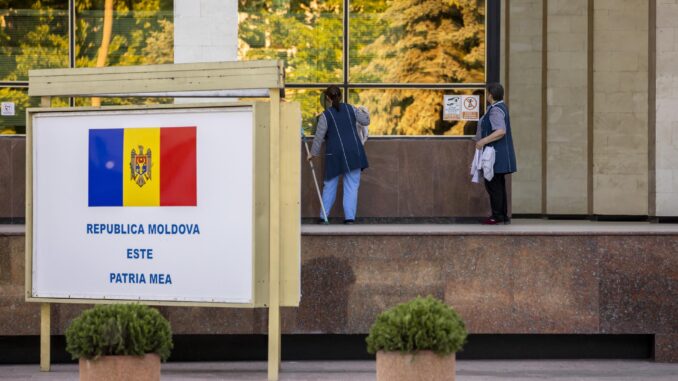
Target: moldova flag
(142,167)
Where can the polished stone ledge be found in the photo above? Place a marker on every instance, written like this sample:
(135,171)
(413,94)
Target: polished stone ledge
(9,230)
(524,227)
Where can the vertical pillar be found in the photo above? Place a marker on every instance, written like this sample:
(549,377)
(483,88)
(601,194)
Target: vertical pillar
(566,97)
(620,131)
(666,112)
(45,309)
(274,335)
(205,31)
(524,81)
(45,320)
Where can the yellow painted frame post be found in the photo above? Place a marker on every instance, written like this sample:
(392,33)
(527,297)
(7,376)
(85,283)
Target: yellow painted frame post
(277,206)
(45,308)
(274,335)
(45,337)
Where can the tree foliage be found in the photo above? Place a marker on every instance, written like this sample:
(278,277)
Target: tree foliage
(425,42)
(121,329)
(391,41)
(418,325)
(34,35)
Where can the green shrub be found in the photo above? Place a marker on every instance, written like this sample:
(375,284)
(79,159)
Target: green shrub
(121,329)
(418,325)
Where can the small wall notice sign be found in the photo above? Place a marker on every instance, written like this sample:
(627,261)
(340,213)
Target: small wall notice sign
(452,107)
(461,107)
(8,109)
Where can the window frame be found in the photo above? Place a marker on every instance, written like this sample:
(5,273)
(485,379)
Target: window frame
(492,63)
(492,58)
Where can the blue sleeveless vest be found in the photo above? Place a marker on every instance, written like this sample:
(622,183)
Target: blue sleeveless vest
(343,150)
(505,159)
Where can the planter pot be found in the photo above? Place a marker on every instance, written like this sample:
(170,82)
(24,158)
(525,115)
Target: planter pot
(424,366)
(114,368)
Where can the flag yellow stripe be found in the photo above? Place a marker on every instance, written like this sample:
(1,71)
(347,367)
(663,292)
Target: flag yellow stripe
(141,188)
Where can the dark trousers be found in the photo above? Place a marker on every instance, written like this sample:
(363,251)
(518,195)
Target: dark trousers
(496,188)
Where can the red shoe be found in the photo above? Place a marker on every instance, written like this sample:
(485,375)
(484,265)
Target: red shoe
(490,221)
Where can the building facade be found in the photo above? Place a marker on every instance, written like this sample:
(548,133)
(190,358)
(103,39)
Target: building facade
(590,83)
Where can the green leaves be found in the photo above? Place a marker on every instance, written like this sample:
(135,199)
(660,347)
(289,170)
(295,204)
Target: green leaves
(121,329)
(420,324)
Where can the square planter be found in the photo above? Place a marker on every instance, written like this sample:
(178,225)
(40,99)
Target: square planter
(423,366)
(119,368)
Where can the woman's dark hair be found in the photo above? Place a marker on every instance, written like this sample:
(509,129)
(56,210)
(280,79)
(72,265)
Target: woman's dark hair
(334,93)
(497,91)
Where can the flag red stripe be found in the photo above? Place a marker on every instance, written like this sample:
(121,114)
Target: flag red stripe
(178,178)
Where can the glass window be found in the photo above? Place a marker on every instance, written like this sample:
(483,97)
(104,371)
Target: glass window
(16,124)
(306,34)
(310,106)
(130,32)
(411,111)
(409,41)
(33,35)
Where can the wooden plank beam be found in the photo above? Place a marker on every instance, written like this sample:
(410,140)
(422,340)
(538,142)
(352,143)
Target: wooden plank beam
(157,78)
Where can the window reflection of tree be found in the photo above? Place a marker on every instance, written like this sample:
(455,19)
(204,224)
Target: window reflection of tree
(391,41)
(34,35)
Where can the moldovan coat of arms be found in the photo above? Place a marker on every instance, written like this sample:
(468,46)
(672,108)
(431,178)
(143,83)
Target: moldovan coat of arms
(140,164)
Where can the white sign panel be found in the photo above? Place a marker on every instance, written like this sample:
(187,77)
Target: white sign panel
(461,107)
(144,204)
(8,109)
(452,107)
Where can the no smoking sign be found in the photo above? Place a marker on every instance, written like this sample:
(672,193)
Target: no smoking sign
(8,109)
(470,110)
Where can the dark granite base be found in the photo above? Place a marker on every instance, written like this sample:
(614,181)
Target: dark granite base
(409,177)
(666,347)
(500,284)
(314,347)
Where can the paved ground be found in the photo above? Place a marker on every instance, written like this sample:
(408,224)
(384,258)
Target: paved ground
(579,370)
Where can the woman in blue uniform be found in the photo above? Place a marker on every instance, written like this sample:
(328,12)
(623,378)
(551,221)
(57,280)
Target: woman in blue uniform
(494,130)
(344,152)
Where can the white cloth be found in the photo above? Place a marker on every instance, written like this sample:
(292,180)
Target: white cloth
(476,166)
(363,130)
(483,160)
(487,162)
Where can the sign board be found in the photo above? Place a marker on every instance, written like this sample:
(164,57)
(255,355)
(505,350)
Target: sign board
(461,107)
(146,204)
(7,109)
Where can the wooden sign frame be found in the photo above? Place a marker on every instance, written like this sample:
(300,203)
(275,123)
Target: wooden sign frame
(277,195)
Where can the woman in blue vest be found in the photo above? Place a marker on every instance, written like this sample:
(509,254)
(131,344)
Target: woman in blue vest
(494,130)
(344,152)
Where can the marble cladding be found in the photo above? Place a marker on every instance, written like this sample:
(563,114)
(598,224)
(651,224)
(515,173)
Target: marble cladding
(409,178)
(666,348)
(525,98)
(620,119)
(12,178)
(566,136)
(666,140)
(519,284)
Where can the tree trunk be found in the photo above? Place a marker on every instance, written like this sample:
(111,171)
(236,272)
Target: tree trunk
(105,41)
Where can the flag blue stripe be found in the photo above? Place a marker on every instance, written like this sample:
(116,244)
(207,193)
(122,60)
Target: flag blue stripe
(105,167)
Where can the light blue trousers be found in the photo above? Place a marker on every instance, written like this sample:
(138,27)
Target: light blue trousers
(351,185)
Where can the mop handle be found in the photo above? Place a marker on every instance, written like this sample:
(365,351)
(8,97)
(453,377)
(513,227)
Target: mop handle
(315,179)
